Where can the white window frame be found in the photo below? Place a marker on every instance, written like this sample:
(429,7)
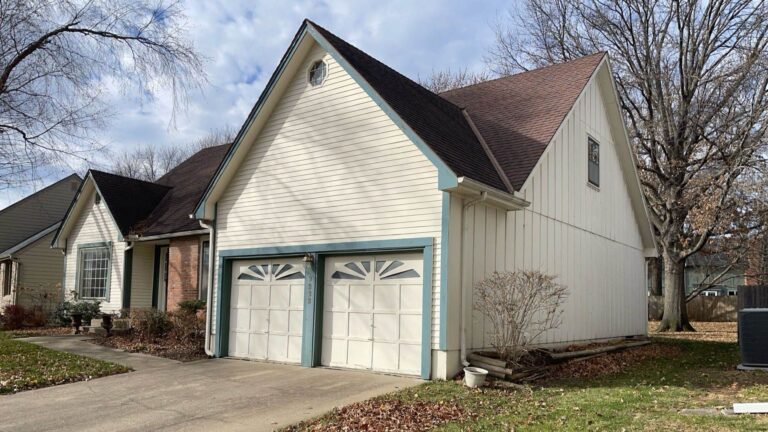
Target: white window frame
(590,140)
(309,73)
(81,248)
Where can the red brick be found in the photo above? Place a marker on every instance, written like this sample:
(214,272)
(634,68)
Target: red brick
(183,263)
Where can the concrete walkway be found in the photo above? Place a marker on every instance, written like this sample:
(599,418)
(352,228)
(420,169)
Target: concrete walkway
(78,344)
(219,394)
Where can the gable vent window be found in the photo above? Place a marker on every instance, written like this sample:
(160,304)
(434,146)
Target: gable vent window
(97,199)
(317,73)
(593,163)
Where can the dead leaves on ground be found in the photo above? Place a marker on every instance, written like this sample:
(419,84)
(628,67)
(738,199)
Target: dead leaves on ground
(384,415)
(612,363)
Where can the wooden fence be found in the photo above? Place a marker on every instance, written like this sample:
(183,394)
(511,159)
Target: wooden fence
(701,308)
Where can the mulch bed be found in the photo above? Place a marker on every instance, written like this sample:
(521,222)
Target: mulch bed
(161,347)
(380,415)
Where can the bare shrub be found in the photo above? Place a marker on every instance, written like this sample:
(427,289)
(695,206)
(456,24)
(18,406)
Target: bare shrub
(520,306)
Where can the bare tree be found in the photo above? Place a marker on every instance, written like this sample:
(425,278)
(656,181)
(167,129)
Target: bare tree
(519,306)
(150,162)
(692,79)
(57,58)
(443,80)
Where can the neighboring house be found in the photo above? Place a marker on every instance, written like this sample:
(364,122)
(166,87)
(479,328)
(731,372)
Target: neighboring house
(132,244)
(715,269)
(356,210)
(29,268)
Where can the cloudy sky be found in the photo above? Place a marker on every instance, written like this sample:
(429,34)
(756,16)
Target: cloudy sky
(243,41)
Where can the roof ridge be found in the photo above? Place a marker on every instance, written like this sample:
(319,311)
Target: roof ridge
(129,178)
(523,72)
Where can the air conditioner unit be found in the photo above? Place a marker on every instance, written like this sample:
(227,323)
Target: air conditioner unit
(753,337)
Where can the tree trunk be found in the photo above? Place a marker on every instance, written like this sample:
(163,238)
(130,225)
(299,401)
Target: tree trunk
(675,316)
(654,276)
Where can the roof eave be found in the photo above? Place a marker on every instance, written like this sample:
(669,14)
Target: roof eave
(475,190)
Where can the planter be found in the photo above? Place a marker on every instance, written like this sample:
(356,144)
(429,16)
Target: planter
(474,377)
(77,322)
(106,323)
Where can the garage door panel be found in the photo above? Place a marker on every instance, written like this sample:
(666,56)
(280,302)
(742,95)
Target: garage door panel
(410,328)
(259,321)
(386,297)
(410,358)
(359,325)
(385,327)
(259,296)
(372,312)
(240,319)
(267,309)
(411,297)
(360,297)
(359,354)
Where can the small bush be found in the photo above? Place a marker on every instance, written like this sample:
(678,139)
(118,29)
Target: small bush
(14,317)
(191,306)
(151,324)
(63,313)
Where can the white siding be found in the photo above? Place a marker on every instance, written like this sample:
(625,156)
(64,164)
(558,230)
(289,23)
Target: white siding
(330,166)
(588,238)
(95,225)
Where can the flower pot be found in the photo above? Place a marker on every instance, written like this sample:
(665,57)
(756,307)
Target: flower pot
(474,377)
(77,321)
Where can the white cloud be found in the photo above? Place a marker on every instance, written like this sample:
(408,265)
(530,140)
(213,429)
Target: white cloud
(244,40)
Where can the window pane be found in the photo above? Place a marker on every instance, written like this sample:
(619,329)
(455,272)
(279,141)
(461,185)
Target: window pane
(94,269)
(205,250)
(593,162)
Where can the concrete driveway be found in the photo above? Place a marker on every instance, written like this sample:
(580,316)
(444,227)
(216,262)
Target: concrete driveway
(219,394)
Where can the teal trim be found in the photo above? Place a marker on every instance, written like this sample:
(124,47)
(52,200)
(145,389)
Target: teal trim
(127,277)
(361,246)
(78,269)
(446,176)
(426,315)
(310,312)
(444,247)
(64,276)
(155,274)
(312,325)
(200,208)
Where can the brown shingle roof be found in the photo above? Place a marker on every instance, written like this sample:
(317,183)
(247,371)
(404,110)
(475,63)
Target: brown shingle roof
(129,200)
(518,115)
(188,181)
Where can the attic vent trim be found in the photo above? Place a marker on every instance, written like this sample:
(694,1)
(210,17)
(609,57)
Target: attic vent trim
(317,73)
(97,199)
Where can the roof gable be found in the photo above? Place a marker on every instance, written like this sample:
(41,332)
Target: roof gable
(518,115)
(36,212)
(129,200)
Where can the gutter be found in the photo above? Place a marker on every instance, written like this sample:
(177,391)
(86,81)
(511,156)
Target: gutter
(468,188)
(138,237)
(211,227)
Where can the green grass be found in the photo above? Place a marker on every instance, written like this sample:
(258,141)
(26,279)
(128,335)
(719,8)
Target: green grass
(645,396)
(25,366)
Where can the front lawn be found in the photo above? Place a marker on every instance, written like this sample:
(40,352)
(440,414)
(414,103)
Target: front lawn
(25,366)
(647,393)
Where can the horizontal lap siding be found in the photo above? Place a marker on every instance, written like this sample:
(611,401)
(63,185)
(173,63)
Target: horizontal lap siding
(589,239)
(41,269)
(142,274)
(330,166)
(95,225)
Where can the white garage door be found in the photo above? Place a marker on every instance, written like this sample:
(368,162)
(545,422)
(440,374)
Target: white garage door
(266,309)
(372,313)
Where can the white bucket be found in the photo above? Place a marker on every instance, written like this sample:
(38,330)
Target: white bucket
(474,377)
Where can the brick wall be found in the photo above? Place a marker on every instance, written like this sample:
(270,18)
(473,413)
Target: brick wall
(183,262)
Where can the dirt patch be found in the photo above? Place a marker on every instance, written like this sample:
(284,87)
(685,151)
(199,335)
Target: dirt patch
(164,347)
(705,331)
(41,331)
(611,363)
(379,415)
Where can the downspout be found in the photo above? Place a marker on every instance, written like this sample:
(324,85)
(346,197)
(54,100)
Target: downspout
(464,362)
(209,295)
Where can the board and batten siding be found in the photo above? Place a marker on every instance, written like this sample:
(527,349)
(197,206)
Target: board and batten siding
(330,166)
(95,225)
(588,238)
